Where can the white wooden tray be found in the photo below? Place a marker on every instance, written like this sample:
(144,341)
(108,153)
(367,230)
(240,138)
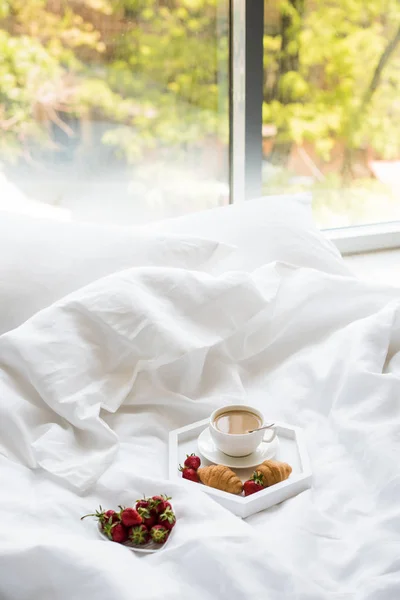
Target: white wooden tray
(291,449)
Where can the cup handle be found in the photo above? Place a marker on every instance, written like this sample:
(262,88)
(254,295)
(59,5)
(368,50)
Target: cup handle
(271,438)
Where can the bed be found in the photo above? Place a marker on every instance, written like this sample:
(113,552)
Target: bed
(247,304)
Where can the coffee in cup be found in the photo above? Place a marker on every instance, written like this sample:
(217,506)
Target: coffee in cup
(230,426)
(237,422)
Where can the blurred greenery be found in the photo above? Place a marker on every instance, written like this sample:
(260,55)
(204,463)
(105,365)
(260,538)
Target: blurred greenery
(333,75)
(332,81)
(149,68)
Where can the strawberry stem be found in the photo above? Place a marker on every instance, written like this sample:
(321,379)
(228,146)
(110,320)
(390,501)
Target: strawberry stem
(258,478)
(99,514)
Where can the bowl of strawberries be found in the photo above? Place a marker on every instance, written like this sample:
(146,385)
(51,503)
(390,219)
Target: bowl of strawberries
(145,527)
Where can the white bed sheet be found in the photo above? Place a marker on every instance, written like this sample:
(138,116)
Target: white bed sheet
(43,260)
(91,386)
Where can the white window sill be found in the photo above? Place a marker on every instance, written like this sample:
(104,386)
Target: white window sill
(366,238)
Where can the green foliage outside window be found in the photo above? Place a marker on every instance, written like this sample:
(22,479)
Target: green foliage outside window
(332,73)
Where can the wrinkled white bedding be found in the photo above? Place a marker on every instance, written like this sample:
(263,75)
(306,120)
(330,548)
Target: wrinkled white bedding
(90,387)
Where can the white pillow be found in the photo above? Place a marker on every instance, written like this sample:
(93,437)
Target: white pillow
(42,260)
(268,229)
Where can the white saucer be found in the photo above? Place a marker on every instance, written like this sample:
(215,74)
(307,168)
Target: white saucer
(208,449)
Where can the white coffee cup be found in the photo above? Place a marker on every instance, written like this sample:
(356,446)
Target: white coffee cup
(239,444)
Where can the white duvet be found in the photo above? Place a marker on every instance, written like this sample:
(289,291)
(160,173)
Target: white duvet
(90,387)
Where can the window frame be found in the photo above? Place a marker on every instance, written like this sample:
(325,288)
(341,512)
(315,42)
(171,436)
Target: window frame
(246,98)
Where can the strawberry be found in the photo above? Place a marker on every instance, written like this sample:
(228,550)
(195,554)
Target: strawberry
(111,514)
(253,485)
(130,517)
(116,532)
(148,519)
(143,503)
(158,504)
(190,474)
(167,519)
(159,534)
(104,517)
(139,535)
(192,462)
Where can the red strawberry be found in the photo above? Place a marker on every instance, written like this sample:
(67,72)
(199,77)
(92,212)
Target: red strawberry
(190,474)
(253,485)
(142,503)
(111,514)
(139,535)
(130,517)
(116,532)
(159,534)
(158,504)
(192,462)
(104,517)
(148,519)
(167,519)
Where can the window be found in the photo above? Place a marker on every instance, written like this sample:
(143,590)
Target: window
(135,110)
(115,110)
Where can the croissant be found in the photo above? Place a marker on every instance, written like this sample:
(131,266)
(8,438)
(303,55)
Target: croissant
(221,478)
(273,471)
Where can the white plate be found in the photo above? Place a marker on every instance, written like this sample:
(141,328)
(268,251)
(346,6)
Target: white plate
(148,548)
(208,449)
